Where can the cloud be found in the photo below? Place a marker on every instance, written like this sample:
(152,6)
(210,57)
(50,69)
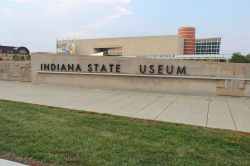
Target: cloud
(46,20)
(62,9)
(120,12)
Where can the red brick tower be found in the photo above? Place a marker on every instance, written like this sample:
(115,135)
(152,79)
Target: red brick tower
(188,33)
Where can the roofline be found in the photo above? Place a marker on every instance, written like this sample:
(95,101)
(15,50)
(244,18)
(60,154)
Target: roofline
(208,38)
(123,37)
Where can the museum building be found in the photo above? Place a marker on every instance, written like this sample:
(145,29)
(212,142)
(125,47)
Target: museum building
(185,43)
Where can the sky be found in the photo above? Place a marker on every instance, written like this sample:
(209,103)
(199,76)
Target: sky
(37,24)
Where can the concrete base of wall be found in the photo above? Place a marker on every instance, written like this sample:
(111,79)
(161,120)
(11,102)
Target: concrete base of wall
(145,84)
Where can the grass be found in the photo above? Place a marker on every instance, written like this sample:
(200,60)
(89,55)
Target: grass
(65,137)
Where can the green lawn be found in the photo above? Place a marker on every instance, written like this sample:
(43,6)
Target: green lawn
(66,137)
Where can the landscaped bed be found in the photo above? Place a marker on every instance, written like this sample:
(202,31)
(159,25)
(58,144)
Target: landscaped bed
(46,135)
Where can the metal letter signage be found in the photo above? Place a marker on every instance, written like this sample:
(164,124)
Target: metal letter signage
(115,68)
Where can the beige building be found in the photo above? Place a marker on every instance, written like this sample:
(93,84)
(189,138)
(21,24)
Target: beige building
(166,47)
(124,46)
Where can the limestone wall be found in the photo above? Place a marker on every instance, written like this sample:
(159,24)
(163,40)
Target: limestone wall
(133,46)
(15,71)
(201,78)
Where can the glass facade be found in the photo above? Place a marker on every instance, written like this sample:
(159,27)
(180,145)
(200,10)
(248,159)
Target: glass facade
(208,45)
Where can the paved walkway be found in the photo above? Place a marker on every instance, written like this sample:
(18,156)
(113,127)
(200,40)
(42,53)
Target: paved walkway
(9,163)
(231,113)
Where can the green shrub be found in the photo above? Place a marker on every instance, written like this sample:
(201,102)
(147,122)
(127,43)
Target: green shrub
(22,58)
(28,58)
(239,58)
(16,58)
(248,58)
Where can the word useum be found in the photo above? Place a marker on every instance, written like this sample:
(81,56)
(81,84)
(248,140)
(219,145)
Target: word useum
(114,68)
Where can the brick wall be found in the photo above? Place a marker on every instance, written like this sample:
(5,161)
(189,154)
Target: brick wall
(15,71)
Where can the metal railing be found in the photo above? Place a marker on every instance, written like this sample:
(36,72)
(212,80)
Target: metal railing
(216,57)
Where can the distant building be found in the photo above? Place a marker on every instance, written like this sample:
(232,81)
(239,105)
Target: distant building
(185,43)
(14,50)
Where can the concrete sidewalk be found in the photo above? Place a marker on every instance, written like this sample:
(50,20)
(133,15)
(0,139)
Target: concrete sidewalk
(9,163)
(231,113)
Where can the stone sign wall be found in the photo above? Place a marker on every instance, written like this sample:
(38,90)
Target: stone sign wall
(15,71)
(140,74)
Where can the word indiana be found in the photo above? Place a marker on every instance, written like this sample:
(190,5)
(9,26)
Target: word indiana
(97,68)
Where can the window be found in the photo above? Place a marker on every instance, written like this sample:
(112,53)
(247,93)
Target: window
(116,51)
(208,46)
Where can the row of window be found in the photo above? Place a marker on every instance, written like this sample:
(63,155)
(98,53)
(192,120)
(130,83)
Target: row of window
(7,52)
(205,53)
(208,44)
(213,51)
(204,47)
(206,50)
(208,40)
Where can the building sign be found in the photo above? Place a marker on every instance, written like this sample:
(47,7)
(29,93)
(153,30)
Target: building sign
(114,68)
(162,69)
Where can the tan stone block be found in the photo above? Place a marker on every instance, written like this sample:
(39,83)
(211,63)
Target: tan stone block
(230,92)
(247,89)
(239,72)
(247,71)
(220,84)
(5,76)
(235,84)
(225,73)
(25,75)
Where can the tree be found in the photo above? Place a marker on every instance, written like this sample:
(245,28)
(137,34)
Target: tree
(248,58)
(238,58)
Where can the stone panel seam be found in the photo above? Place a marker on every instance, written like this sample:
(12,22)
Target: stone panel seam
(230,111)
(101,98)
(147,106)
(117,100)
(89,102)
(128,104)
(208,110)
(244,101)
(171,103)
